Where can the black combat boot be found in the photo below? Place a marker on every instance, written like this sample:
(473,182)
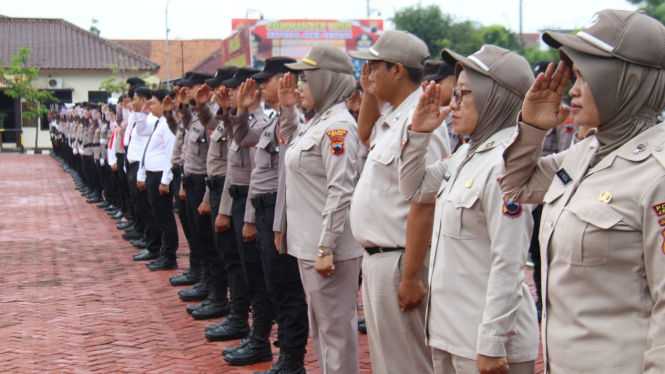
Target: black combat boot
(217,307)
(234,327)
(291,361)
(198,293)
(188,277)
(256,350)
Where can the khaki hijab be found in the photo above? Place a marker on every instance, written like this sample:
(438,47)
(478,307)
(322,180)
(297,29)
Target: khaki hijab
(628,97)
(329,88)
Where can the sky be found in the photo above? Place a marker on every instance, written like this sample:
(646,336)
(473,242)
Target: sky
(211,19)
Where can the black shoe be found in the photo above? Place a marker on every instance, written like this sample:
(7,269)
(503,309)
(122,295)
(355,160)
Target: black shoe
(110,207)
(187,278)
(124,225)
(163,264)
(217,307)
(197,293)
(131,229)
(145,255)
(232,328)
(192,308)
(132,236)
(362,326)
(112,212)
(138,243)
(291,361)
(118,215)
(95,198)
(257,350)
(103,204)
(243,343)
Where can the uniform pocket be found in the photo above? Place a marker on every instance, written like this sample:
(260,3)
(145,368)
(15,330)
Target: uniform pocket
(305,147)
(263,157)
(460,213)
(379,174)
(584,231)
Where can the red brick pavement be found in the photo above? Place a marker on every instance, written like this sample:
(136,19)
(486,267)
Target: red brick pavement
(73,301)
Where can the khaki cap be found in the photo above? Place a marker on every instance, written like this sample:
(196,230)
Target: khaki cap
(398,47)
(497,63)
(325,58)
(626,35)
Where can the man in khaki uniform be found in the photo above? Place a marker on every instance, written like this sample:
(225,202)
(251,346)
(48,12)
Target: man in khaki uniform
(379,212)
(602,235)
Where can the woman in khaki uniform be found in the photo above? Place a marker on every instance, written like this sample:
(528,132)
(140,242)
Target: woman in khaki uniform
(320,175)
(602,235)
(481,317)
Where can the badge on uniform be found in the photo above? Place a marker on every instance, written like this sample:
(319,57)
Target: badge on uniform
(663,246)
(659,209)
(564,176)
(337,141)
(446,176)
(511,209)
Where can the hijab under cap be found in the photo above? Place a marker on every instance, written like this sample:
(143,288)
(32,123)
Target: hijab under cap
(329,88)
(628,97)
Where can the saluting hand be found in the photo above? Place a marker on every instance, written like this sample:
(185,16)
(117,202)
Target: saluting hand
(222,223)
(365,84)
(223,97)
(287,94)
(427,116)
(353,104)
(147,107)
(168,104)
(247,95)
(492,365)
(542,107)
(249,232)
(183,96)
(203,95)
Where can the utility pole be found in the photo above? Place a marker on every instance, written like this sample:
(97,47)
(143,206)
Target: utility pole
(168,77)
(521,35)
(367,9)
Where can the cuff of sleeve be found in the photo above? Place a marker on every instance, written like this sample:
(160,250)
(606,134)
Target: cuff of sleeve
(329,240)
(491,346)
(530,134)
(418,139)
(239,118)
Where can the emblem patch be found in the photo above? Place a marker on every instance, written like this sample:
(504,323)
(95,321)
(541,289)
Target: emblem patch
(663,246)
(662,222)
(281,140)
(337,141)
(511,209)
(659,209)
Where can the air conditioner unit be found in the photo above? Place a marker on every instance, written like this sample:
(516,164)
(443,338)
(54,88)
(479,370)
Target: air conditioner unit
(54,83)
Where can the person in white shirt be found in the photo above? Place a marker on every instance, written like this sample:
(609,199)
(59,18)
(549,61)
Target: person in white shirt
(155,172)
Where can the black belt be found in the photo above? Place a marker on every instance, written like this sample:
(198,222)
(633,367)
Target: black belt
(131,164)
(215,183)
(87,146)
(189,180)
(374,250)
(176,169)
(264,200)
(96,144)
(238,192)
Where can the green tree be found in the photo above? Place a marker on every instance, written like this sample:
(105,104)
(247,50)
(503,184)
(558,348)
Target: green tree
(94,29)
(426,22)
(654,8)
(20,81)
(117,82)
(464,37)
(500,36)
(534,55)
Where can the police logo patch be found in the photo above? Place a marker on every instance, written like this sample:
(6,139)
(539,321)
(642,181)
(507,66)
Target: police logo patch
(663,246)
(511,209)
(662,222)
(337,141)
(659,209)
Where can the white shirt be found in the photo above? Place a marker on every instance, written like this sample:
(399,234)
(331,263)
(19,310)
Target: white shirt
(159,147)
(136,141)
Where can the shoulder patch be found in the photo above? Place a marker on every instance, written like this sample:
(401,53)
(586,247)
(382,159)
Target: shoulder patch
(659,209)
(337,141)
(663,246)
(511,209)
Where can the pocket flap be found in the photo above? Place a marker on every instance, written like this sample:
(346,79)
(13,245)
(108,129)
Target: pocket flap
(192,136)
(382,156)
(216,135)
(234,147)
(306,144)
(596,213)
(554,192)
(264,142)
(466,199)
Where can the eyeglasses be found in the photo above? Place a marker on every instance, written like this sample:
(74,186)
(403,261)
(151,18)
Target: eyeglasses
(458,95)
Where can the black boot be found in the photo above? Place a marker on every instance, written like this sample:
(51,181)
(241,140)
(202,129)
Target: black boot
(256,350)
(217,307)
(234,327)
(188,277)
(197,293)
(291,361)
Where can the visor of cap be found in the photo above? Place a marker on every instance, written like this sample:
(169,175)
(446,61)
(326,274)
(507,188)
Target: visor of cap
(364,55)
(452,58)
(302,65)
(231,83)
(577,42)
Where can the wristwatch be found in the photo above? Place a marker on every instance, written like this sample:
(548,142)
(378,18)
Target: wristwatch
(322,253)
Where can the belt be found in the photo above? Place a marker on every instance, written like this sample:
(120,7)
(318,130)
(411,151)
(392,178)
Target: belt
(238,192)
(176,169)
(131,164)
(189,180)
(374,250)
(215,183)
(96,144)
(264,200)
(88,145)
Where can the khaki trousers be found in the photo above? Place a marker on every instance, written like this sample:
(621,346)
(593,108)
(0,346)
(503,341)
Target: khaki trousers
(333,315)
(396,339)
(447,363)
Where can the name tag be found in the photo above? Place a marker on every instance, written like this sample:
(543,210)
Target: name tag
(446,176)
(564,176)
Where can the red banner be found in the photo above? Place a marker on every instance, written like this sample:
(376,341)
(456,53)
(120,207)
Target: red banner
(295,37)
(236,48)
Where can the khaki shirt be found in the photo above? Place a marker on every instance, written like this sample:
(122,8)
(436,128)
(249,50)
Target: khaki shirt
(602,241)
(195,148)
(378,211)
(217,162)
(320,174)
(557,140)
(96,140)
(478,301)
(87,136)
(280,204)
